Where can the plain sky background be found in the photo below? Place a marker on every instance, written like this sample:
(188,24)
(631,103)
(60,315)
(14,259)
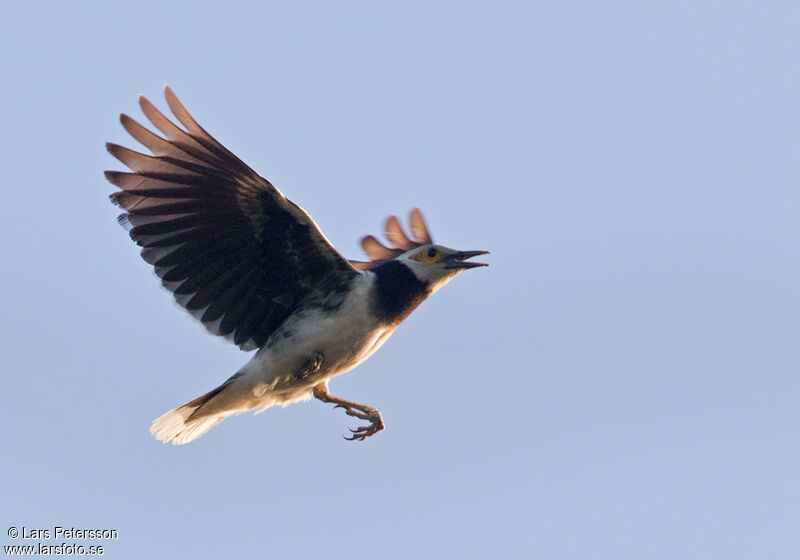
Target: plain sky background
(621,382)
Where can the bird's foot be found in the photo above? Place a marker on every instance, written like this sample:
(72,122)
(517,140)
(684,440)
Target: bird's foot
(353,409)
(363,432)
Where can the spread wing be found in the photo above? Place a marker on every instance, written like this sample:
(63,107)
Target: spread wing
(236,253)
(378,253)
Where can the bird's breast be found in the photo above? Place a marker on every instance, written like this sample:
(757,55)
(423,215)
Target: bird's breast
(344,337)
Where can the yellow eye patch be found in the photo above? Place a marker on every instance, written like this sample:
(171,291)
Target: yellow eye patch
(431,255)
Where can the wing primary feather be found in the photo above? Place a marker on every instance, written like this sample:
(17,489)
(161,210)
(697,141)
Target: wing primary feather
(139,162)
(174,134)
(396,235)
(418,227)
(376,250)
(153,142)
(186,119)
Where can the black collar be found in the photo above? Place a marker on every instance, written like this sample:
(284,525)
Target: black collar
(397,291)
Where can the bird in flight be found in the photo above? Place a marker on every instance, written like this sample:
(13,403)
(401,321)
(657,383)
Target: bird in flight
(253,267)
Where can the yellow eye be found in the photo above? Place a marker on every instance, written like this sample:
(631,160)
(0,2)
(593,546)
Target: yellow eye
(431,255)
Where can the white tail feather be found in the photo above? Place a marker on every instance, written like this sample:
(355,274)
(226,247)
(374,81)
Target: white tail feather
(190,421)
(173,426)
(185,424)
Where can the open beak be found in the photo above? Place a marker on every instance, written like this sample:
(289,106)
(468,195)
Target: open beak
(458,259)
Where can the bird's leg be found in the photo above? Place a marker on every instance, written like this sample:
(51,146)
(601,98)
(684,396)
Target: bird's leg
(353,409)
(310,366)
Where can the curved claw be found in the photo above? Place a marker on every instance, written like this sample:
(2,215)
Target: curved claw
(363,432)
(358,433)
(359,437)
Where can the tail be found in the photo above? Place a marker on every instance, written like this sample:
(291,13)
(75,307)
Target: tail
(190,421)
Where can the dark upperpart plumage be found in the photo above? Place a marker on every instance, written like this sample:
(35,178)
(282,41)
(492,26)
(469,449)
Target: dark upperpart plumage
(397,292)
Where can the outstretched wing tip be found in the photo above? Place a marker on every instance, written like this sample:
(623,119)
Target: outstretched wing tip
(170,96)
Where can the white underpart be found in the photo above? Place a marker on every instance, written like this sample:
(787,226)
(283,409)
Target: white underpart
(345,338)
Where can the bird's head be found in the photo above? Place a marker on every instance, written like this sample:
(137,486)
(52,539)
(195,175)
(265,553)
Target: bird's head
(433,264)
(436,265)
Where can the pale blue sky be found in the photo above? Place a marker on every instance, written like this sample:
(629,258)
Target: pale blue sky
(621,382)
